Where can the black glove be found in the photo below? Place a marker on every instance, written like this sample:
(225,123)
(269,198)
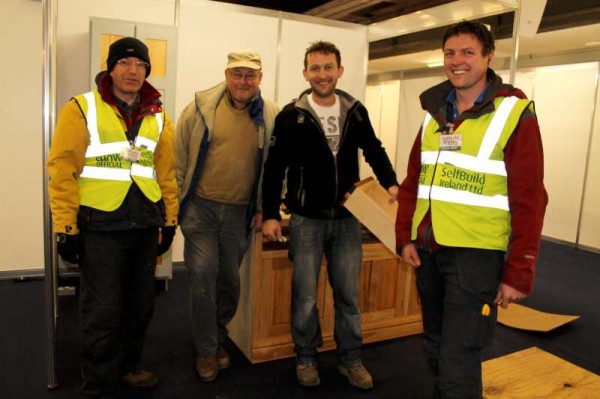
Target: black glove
(166,239)
(68,247)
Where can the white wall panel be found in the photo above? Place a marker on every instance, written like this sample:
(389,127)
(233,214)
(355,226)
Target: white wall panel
(296,36)
(382,101)
(73,43)
(388,131)
(410,118)
(21,169)
(207,33)
(373,102)
(564,98)
(589,233)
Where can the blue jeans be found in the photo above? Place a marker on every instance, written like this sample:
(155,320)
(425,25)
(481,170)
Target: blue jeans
(341,242)
(215,242)
(454,285)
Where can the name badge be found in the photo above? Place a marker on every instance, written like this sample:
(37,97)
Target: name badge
(450,142)
(131,154)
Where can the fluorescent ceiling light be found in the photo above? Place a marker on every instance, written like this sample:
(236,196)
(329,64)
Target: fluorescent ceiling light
(443,15)
(435,64)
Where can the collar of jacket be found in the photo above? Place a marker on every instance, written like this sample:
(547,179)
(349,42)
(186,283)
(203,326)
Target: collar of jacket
(207,101)
(347,102)
(255,107)
(149,97)
(433,100)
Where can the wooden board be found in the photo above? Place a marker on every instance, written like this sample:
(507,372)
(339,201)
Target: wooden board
(533,373)
(524,318)
(370,204)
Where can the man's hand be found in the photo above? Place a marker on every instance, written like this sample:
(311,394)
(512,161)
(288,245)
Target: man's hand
(393,192)
(68,247)
(271,230)
(410,255)
(507,294)
(257,220)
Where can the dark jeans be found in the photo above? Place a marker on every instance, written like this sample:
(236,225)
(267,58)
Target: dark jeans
(455,284)
(115,304)
(215,242)
(341,241)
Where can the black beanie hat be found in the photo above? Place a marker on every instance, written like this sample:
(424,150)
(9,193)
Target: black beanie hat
(127,47)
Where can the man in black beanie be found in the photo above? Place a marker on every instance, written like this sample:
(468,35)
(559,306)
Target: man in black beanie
(127,47)
(113,196)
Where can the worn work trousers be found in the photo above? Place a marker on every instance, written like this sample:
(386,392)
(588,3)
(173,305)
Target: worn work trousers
(115,304)
(457,286)
(341,242)
(215,242)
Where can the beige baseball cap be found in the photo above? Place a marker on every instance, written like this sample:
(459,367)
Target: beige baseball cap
(244,59)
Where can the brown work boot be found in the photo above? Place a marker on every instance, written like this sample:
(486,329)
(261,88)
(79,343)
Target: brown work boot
(357,374)
(307,374)
(140,379)
(207,368)
(223,358)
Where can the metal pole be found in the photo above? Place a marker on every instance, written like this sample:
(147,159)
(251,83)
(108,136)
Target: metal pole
(177,11)
(48,118)
(515,44)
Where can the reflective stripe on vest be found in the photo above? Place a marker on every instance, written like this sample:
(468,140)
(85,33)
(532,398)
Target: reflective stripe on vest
(479,163)
(96,149)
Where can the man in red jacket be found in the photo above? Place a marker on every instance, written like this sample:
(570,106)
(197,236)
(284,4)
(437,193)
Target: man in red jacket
(474,189)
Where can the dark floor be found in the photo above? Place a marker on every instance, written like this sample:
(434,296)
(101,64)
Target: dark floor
(568,282)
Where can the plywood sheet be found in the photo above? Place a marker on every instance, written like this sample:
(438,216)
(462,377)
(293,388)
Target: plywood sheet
(524,318)
(533,373)
(370,204)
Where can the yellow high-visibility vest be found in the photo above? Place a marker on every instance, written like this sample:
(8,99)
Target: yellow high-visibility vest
(466,189)
(106,176)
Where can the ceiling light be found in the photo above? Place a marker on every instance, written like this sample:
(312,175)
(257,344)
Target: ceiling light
(435,64)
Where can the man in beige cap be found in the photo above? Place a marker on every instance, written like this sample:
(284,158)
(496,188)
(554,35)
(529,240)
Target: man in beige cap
(221,141)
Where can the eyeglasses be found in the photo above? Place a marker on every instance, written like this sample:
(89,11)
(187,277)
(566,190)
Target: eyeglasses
(237,75)
(139,65)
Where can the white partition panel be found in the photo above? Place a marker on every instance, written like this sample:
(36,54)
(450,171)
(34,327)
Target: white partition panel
(373,102)
(589,233)
(21,209)
(73,40)
(382,101)
(388,131)
(208,31)
(524,80)
(373,99)
(564,98)
(410,118)
(297,35)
